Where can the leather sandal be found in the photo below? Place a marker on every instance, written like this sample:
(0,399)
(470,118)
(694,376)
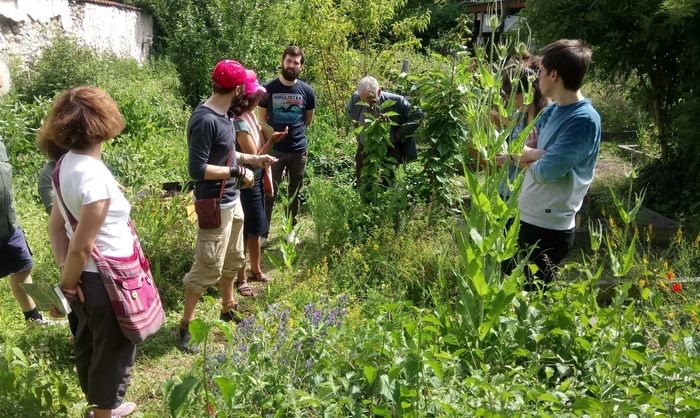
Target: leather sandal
(245,290)
(258,277)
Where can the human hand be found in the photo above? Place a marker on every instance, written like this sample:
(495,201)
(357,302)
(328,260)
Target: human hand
(529,156)
(502,159)
(263,161)
(246,179)
(278,136)
(55,313)
(531,140)
(72,294)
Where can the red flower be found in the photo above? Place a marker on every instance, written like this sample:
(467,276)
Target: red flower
(677,287)
(670,275)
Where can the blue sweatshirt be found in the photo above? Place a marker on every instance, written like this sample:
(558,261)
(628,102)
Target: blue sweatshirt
(555,185)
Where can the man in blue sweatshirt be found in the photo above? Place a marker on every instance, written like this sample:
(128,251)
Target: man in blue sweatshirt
(560,168)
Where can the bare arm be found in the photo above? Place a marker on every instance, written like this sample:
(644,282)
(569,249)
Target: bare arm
(92,217)
(528,156)
(216,172)
(309,117)
(260,161)
(57,235)
(245,141)
(262,114)
(274,138)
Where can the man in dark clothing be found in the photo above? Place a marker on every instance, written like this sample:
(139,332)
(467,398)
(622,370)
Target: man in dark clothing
(219,252)
(290,103)
(369,93)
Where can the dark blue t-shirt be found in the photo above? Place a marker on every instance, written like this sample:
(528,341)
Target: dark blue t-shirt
(287,106)
(210,140)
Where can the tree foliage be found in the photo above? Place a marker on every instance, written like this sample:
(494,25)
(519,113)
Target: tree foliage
(342,39)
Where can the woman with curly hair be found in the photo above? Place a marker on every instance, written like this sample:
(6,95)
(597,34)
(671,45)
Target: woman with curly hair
(81,120)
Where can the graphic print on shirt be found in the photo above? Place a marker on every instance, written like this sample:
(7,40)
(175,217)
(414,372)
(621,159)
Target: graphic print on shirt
(287,108)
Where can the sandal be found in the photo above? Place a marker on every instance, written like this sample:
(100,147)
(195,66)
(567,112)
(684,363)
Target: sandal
(245,290)
(230,313)
(258,277)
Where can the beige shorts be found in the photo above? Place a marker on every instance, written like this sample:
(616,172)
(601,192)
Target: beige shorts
(219,252)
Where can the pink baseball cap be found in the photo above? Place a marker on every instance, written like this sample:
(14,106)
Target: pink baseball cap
(251,83)
(228,74)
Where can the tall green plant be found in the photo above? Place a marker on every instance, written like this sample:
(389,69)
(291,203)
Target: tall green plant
(379,168)
(489,224)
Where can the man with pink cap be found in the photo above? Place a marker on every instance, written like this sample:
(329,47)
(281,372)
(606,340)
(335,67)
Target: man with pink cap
(219,251)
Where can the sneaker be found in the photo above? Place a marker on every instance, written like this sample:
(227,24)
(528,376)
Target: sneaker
(184,343)
(122,410)
(40,322)
(292,238)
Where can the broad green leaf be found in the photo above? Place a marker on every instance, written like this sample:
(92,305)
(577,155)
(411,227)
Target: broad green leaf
(583,343)
(199,330)
(635,356)
(20,357)
(227,388)
(226,330)
(385,388)
(495,307)
(548,397)
(692,345)
(412,365)
(370,374)
(436,366)
(588,404)
(178,396)
(381,411)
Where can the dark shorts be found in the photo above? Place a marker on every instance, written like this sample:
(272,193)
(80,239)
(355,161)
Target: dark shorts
(253,203)
(15,255)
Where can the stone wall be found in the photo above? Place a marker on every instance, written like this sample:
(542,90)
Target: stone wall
(26,26)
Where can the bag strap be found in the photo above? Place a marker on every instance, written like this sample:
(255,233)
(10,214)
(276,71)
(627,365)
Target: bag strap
(228,164)
(57,187)
(74,222)
(228,161)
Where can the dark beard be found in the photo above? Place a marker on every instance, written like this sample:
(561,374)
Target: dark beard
(290,74)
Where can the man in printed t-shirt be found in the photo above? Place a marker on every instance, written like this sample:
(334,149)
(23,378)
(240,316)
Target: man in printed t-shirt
(290,103)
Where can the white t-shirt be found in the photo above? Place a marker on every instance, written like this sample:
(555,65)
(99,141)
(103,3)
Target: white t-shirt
(85,180)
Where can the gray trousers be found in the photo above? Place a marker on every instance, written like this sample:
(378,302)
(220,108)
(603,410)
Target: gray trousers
(294,163)
(103,355)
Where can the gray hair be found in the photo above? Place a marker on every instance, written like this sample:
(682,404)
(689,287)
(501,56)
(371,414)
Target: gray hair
(5,80)
(368,84)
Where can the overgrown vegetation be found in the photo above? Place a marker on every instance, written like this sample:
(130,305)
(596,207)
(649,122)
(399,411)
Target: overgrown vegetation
(394,303)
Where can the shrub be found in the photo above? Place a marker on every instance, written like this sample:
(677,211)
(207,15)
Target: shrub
(167,235)
(152,147)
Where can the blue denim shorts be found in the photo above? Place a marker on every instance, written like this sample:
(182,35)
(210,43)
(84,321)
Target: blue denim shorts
(15,255)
